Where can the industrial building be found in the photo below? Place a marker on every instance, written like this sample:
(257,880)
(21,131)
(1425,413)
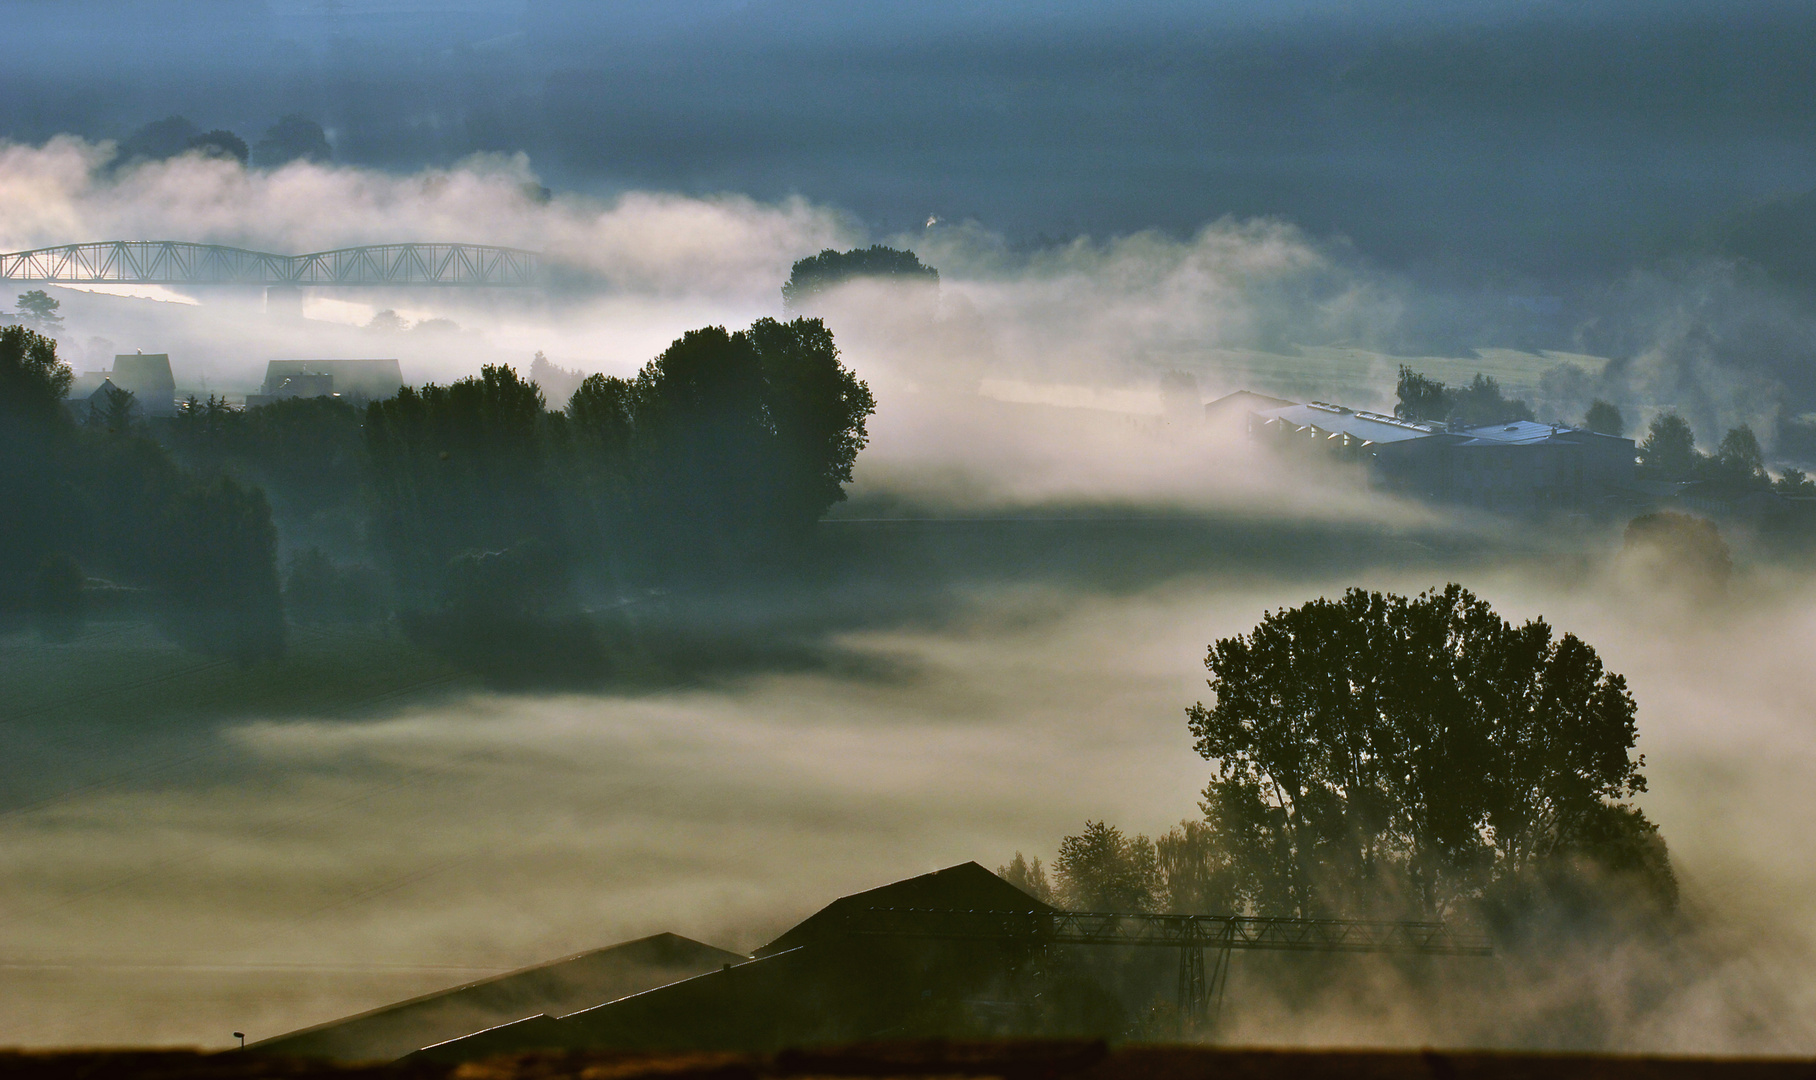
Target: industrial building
(1520,467)
(366,380)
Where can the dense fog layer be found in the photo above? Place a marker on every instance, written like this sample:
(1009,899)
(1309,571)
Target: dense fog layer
(260,874)
(261,860)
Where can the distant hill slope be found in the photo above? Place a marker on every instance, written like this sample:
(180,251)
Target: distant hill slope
(561,986)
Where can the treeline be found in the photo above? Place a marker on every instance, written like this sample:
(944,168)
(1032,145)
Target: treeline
(1669,452)
(1385,756)
(104,498)
(474,512)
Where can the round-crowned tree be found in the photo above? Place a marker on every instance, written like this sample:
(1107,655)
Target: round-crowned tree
(1379,753)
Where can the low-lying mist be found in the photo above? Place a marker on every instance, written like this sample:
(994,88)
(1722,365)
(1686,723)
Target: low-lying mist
(317,866)
(999,643)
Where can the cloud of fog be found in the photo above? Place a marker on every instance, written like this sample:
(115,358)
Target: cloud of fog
(728,246)
(321,866)
(1100,320)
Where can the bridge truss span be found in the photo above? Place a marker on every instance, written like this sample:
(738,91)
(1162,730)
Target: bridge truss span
(178,263)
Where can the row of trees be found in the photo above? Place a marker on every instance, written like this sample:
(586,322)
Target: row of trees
(1669,452)
(293,137)
(107,497)
(1482,402)
(1393,756)
(480,506)
(722,450)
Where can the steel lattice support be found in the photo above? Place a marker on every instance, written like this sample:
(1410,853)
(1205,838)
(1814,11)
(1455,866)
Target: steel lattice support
(169,262)
(1172,931)
(1200,995)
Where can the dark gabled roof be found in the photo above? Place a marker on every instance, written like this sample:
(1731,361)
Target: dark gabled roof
(790,994)
(560,986)
(965,887)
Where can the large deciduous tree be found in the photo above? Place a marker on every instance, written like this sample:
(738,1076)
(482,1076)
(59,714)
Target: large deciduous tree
(1382,753)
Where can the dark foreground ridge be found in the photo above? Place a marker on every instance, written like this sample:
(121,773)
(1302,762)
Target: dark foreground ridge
(1008,1060)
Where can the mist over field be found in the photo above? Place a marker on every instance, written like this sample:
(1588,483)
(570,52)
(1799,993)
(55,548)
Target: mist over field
(993,638)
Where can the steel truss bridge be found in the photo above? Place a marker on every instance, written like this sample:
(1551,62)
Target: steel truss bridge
(1200,994)
(171,262)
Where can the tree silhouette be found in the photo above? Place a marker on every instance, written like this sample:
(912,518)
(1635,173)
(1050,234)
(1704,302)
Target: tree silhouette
(38,310)
(1379,753)
(1421,397)
(292,138)
(221,143)
(1604,417)
(113,410)
(1739,457)
(815,275)
(1100,869)
(1669,448)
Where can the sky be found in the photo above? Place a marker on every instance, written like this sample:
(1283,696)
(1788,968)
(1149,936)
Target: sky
(1522,144)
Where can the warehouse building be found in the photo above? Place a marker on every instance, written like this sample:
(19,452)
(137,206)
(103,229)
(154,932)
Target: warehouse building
(1518,467)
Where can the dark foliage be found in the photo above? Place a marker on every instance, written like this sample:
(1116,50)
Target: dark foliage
(221,143)
(1479,404)
(113,410)
(218,562)
(1380,753)
(510,616)
(158,140)
(319,593)
(457,468)
(1421,397)
(35,434)
(292,138)
(38,310)
(1669,449)
(107,496)
(1604,417)
(816,274)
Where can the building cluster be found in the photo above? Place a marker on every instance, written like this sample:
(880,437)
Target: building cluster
(1519,466)
(152,384)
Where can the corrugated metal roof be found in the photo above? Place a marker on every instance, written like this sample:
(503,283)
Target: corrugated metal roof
(1367,426)
(1517,433)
